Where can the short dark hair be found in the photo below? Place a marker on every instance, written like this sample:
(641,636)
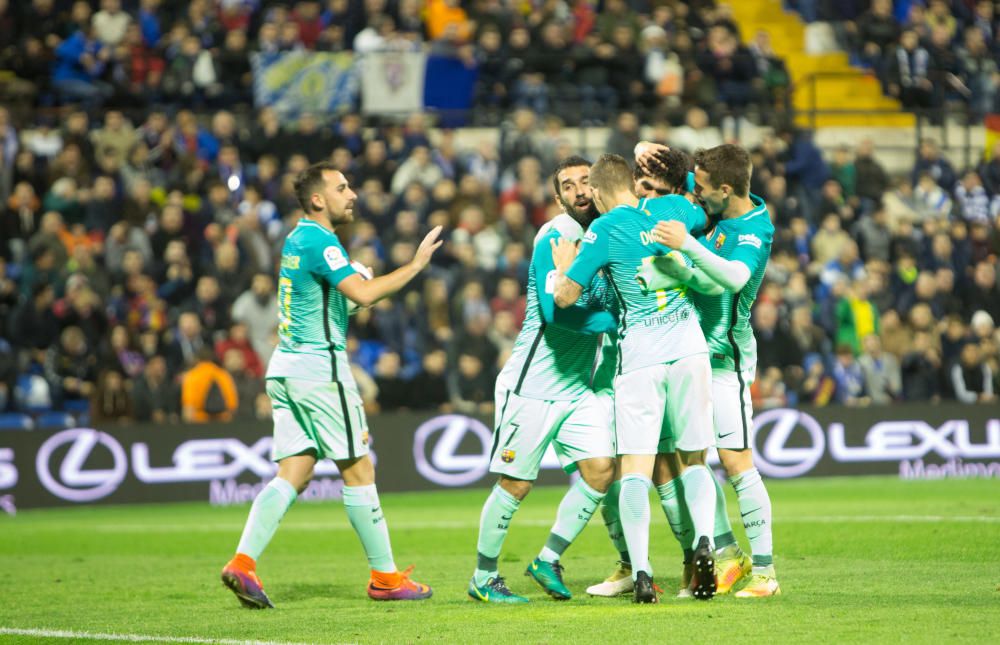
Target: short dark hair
(611,173)
(670,167)
(726,164)
(309,180)
(573,161)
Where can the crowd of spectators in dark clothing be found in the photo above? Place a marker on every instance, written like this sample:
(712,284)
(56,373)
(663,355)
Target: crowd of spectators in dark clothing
(928,54)
(582,61)
(137,253)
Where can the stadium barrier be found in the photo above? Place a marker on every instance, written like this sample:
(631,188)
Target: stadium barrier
(229,463)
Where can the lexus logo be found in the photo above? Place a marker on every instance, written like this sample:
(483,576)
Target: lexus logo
(72,481)
(775,458)
(441,438)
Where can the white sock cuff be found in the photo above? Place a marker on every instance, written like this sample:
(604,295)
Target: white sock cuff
(361,495)
(284,488)
(668,490)
(745,479)
(589,492)
(509,502)
(638,477)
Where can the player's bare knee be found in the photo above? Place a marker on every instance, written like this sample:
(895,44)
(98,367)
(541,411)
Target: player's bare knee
(519,488)
(598,473)
(666,468)
(695,458)
(736,461)
(357,472)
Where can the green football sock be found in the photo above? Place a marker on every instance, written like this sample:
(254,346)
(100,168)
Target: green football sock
(494,521)
(575,510)
(723,529)
(635,520)
(699,495)
(613,520)
(268,508)
(755,507)
(672,501)
(365,513)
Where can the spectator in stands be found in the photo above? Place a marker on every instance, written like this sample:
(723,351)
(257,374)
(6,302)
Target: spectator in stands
(257,308)
(857,317)
(874,236)
(80,61)
(972,198)
(32,325)
(393,392)
(978,69)
(849,379)
(248,385)
(111,400)
(71,368)
(932,201)
(872,179)
(154,396)
(188,340)
(775,346)
(983,293)
(881,371)
(805,168)
(971,378)
(208,392)
(929,160)
(696,132)
(238,340)
(921,370)
(909,73)
(877,31)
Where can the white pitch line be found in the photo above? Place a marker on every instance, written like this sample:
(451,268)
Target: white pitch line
(132,638)
(528,522)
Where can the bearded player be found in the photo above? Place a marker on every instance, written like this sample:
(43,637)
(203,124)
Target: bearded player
(317,409)
(549,393)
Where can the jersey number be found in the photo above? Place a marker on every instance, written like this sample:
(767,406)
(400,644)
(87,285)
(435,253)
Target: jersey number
(284,305)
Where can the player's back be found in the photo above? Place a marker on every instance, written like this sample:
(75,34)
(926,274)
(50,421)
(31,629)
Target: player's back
(547,361)
(656,327)
(312,312)
(725,318)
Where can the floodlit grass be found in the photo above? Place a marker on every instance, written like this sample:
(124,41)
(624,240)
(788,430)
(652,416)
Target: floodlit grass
(859,559)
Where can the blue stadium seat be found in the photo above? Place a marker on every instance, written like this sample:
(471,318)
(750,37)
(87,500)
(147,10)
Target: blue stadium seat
(16,421)
(55,420)
(76,406)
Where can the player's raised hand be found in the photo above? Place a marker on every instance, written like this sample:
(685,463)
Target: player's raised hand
(672,234)
(563,253)
(649,155)
(672,264)
(426,249)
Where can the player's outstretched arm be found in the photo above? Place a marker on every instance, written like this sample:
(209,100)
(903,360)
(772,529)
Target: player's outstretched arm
(731,275)
(670,271)
(367,292)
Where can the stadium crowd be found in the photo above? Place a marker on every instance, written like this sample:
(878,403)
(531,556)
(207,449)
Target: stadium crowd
(928,54)
(137,255)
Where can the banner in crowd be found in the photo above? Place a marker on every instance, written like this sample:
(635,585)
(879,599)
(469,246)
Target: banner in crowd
(229,463)
(296,82)
(392,82)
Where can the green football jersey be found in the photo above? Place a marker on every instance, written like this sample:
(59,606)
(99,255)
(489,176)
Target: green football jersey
(725,318)
(312,312)
(555,356)
(656,327)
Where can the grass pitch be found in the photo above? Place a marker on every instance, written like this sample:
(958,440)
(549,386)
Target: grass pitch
(859,559)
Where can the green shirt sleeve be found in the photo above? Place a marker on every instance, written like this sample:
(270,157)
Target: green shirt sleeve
(327,259)
(574,318)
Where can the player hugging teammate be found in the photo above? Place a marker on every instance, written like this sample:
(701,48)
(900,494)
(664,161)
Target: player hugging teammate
(679,273)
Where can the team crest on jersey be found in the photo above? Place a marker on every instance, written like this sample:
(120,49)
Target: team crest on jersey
(334,258)
(720,241)
(750,240)
(507,456)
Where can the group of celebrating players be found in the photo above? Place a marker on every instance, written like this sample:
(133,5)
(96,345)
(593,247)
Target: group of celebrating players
(635,357)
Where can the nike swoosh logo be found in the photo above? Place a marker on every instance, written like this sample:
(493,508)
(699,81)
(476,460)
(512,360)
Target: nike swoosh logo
(376,509)
(589,511)
(506,518)
(534,566)
(748,512)
(723,436)
(485,598)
